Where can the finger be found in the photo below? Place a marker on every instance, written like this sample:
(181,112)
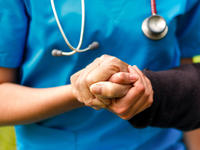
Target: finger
(84,81)
(123,78)
(147,105)
(105,69)
(137,70)
(134,101)
(75,76)
(106,101)
(108,89)
(149,94)
(124,104)
(142,79)
(109,65)
(141,75)
(96,108)
(84,91)
(141,104)
(138,85)
(97,104)
(146,81)
(77,81)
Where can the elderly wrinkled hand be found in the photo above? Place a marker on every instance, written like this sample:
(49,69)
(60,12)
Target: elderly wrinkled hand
(138,97)
(101,69)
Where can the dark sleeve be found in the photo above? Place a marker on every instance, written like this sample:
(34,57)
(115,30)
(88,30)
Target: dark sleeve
(176,99)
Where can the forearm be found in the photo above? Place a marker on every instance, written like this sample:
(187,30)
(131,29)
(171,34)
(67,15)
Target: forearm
(22,105)
(176,99)
(191,139)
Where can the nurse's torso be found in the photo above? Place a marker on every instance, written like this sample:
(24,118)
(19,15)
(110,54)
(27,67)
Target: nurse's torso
(116,25)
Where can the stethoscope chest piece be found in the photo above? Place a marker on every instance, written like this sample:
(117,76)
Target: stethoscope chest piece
(155,27)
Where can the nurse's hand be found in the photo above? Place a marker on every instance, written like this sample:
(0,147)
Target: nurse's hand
(100,69)
(138,98)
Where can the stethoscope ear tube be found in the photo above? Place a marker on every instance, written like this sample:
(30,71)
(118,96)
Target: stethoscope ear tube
(93,45)
(56,52)
(153,27)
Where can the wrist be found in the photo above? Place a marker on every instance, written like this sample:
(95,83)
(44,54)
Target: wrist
(71,96)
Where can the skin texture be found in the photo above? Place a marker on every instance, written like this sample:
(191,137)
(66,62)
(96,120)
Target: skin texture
(100,70)
(22,105)
(138,98)
(126,97)
(95,86)
(191,139)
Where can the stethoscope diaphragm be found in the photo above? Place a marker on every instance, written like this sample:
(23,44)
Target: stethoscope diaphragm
(155,27)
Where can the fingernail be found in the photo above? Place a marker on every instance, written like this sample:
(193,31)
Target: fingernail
(96,89)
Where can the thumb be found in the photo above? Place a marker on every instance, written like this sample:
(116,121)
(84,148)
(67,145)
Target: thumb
(108,89)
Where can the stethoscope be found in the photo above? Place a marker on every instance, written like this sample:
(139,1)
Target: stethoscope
(153,27)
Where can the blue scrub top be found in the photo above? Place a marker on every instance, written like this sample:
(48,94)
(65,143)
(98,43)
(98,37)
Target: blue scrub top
(29,33)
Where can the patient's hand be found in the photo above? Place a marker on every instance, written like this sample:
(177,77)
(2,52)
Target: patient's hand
(138,98)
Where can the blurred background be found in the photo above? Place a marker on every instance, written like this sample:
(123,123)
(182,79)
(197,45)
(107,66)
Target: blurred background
(7,138)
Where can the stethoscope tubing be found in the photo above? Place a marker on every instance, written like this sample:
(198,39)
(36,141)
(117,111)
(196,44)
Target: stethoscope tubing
(95,44)
(77,49)
(153,7)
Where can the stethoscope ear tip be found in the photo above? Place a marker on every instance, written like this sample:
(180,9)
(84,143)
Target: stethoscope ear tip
(94,45)
(56,52)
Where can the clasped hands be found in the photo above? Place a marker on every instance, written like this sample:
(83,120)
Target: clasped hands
(110,83)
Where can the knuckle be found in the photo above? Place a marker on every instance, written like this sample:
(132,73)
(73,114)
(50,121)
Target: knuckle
(80,99)
(96,108)
(141,88)
(104,56)
(121,111)
(110,66)
(75,76)
(113,59)
(150,101)
(89,80)
(73,79)
(108,58)
(109,92)
(120,77)
(146,94)
(142,74)
(88,103)
(148,82)
(114,67)
(125,117)
(77,84)
(96,61)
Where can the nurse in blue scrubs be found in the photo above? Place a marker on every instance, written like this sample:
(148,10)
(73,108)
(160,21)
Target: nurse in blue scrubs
(35,87)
